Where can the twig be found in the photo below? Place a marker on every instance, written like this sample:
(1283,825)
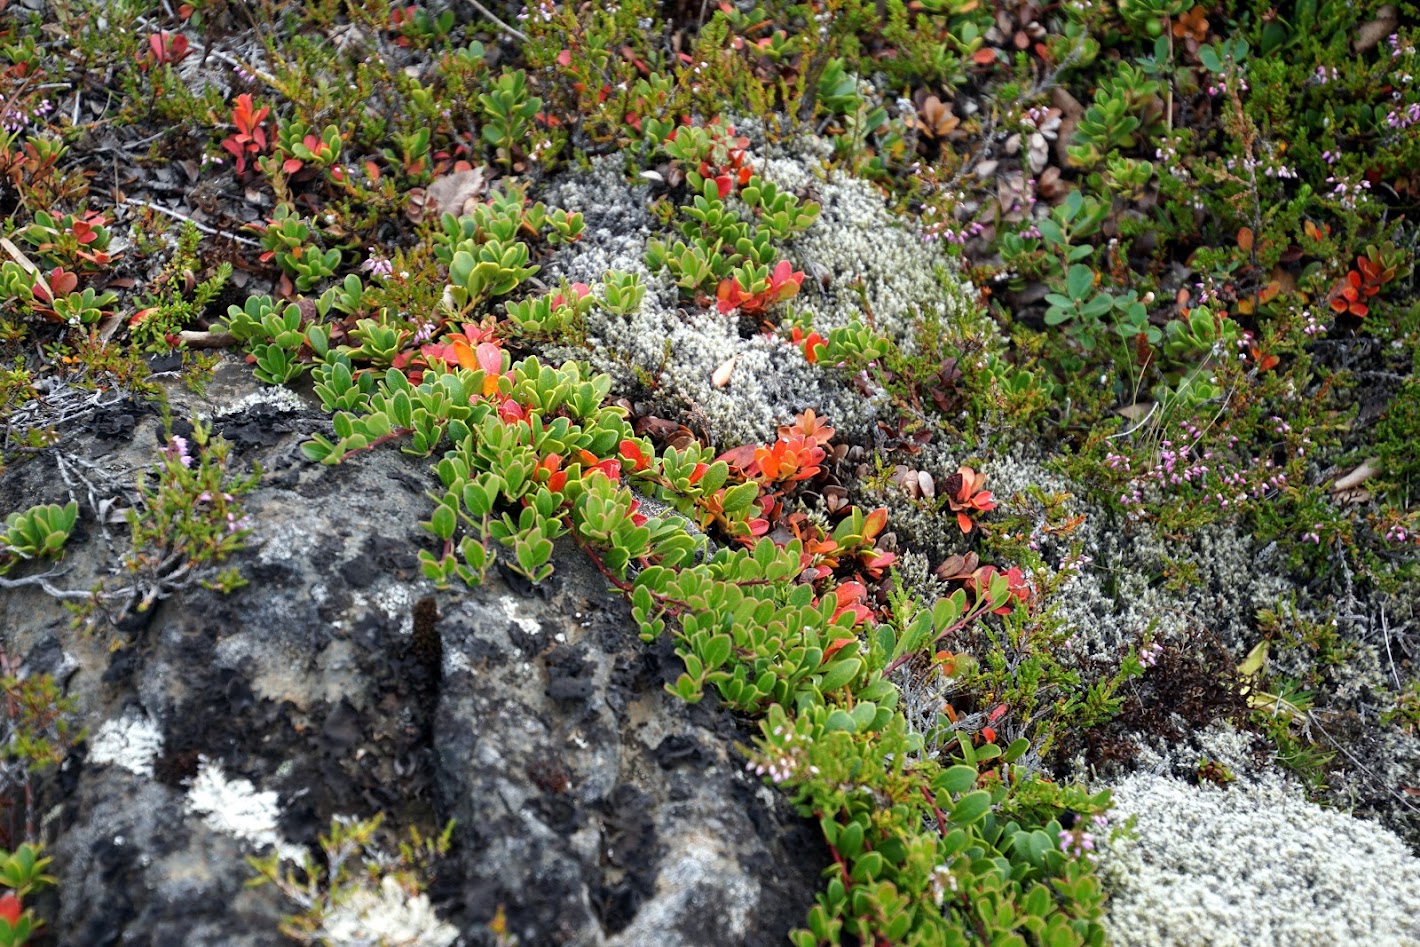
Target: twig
(516,34)
(1152,408)
(207,340)
(1385,630)
(42,580)
(186,219)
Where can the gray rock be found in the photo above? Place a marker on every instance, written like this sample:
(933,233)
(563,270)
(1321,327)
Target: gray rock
(590,804)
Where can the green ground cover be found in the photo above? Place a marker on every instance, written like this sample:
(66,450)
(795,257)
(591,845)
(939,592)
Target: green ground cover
(974,393)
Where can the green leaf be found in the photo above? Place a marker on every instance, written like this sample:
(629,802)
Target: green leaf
(1079,279)
(971,807)
(868,866)
(1051,232)
(714,477)
(739,497)
(850,840)
(443,522)
(717,651)
(956,779)
(840,673)
(1037,902)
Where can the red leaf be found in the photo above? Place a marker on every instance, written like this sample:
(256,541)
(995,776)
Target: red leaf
(633,453)
(741,457)
(63,283)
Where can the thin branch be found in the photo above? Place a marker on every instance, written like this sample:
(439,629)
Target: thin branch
(516,34)
(42,580)
(186,219)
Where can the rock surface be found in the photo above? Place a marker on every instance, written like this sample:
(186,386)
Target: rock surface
(590,804)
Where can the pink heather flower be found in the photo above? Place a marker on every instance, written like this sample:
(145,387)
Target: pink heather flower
(177,450)
(377,265)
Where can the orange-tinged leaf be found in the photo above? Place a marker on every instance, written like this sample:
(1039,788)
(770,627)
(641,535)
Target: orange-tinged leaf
(490,359)
(837,645)
(1245,239)
(874,522)
(722,374)
(1269,292)
(463,354)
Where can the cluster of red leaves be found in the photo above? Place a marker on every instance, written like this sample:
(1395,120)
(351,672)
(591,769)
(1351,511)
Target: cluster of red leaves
(164,49)
(810,344)
(784,282)
(476,347)
(1359,285)
(726,164)
(84,230)
(966,568)
(59,282)
(846,560)
(250,139)
(316,146)
(793,457)
(965,496)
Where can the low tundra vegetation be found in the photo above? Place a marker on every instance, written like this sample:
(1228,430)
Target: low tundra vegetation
(1190,229)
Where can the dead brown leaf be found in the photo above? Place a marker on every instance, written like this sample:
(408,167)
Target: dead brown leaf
(1365,471)
(455,193)
(934,118)
(1369,35)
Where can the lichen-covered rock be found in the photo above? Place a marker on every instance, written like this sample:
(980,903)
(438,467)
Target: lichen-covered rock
(872,259)
(591,805)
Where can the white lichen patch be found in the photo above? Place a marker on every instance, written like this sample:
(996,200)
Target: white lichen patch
(132,741)
(515,614)
(871,256)
(1250,865)
(700,877)
(674,349)
(280,542)
(388,916)
(397,602)
(278,396)
(455,662)
(234,807)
